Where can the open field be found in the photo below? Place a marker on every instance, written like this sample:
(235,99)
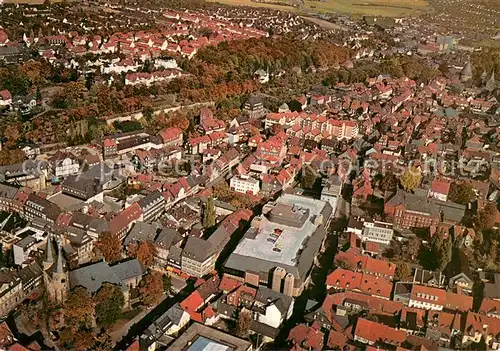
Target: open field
(390,8)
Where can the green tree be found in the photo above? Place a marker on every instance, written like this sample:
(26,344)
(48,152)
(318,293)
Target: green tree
(388,182)
(412,249)
(209,213)
(411,178)
(308,177)
(403,271)
(441,249)
(147,112)
(461,193)
(167,283)
(109,302)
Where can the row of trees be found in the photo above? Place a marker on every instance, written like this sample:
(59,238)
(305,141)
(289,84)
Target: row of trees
(111,249)
(222,192)
(82,311)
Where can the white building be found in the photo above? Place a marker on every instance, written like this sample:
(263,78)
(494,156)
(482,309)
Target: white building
(245,184)
(370,230)
(64,164)
(166,63)
(23,248)
(332,191)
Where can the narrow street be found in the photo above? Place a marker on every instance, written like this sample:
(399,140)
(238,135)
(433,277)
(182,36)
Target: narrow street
(135,330)
(117,335)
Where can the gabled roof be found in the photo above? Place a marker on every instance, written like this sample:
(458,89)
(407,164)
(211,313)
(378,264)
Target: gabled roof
(309,337)
(490,306)
(267,296)
(124,218)
(376,332)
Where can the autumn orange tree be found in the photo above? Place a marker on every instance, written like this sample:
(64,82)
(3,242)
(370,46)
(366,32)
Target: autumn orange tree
(84,340)
(79,308)
(9,157)
(151,289)
(144,251)
(110,246)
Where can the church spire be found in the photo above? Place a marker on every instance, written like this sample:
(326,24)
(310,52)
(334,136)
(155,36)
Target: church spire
(491,83)
(48,250)
(466,73)
(59,265)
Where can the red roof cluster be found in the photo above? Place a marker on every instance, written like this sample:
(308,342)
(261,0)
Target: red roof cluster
(367,264)
(368,284)
(374,332)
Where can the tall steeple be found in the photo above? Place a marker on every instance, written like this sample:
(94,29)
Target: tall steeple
(57,283)
(466,73)
(59,265)
(49,258)
(491,84)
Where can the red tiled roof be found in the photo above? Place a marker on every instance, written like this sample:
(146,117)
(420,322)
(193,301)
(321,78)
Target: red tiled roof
(458,302)
(229,284)
(125,218)
(336,340)
(441,186)
(5,95)
(366,263)
(344,279)
(309,337)
(428,294)
(133,346)
(109,142)
(482,324)
(490,306)
(192,303)
(374,332)
(170,134)
(17,347)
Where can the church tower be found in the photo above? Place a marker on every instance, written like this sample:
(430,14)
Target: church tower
(55,276)
(466,73)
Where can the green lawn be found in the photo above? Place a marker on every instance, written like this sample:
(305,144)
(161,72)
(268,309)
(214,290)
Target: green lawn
(390,8)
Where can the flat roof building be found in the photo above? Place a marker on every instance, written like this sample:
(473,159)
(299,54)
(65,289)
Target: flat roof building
(281,245)
(199,337)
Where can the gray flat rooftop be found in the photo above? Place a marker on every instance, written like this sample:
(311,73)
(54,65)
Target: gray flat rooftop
(280,243)
(199,337)
(204,344)
(65,202)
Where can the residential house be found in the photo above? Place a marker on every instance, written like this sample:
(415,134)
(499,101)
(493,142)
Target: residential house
(478,326)
(63,164)
(373,333)
(440,189)
(366,264)
(11,291)
(121,223)
(342,279)
(307,337)
(5,98)
(152,206)
(269,311)
(172,136)
(245,184)
(31,173)
(40,210)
